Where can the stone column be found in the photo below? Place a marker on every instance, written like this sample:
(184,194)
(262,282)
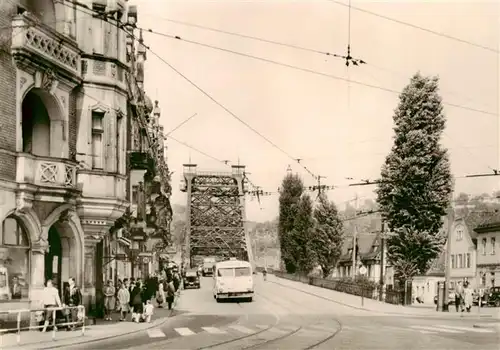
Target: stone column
(92,277)
(89,275)
(38,250)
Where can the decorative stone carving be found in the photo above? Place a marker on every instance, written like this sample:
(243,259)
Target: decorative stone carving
(50,47)
(22,202)
(48,79)
(22,81)
(113,70)
(40,246)
(63,100)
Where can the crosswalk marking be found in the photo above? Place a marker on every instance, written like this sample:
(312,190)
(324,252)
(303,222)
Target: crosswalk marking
(261,326)
(213,330)
(289,328)
(434,328)
(184,331)
(156,333)
(241,329)
(468,329)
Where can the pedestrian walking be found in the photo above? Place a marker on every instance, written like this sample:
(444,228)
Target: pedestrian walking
(160,294)
(109,300)
(459,291)
(137,302)
(123,301)
(50,299)
(170,294)
(467,296)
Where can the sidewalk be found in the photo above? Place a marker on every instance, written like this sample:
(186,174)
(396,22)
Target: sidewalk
(38,340)
(376,306)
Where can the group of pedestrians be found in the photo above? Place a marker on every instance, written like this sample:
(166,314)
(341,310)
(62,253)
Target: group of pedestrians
(463,296)
(129,297)
(135,297)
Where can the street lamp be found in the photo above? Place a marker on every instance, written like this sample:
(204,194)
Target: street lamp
(137,236)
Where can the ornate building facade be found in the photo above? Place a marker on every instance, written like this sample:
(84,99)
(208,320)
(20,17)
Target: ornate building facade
(70,97)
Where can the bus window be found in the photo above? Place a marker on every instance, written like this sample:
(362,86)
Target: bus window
(225,272)
(242,271)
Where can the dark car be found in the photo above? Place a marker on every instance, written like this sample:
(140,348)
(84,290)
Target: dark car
(494,297)
(192,279)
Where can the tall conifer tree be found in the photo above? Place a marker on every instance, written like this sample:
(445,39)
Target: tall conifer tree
(416,182)
(290,194)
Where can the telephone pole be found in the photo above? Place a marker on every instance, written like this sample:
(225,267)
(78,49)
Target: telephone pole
(354,239)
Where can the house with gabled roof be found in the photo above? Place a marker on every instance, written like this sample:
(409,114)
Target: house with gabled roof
(367,255)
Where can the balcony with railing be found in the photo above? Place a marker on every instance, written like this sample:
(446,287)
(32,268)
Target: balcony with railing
(34,43)
(142,161)
(46,171)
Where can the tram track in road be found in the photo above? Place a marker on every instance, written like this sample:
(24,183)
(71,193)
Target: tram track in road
(233,340)
(263,343)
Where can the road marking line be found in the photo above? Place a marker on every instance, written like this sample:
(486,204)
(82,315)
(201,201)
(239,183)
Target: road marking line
(213,330)
(435,329)
(468,329)
(261,326)
(427,332)
(288,328)
(184,331)
(241,329)
(156,333)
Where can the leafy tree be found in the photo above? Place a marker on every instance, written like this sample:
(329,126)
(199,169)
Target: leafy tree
(328,235)
(302,235)
(290,194)
(416,184)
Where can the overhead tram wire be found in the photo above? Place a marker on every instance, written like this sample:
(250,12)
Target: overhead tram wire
(296,160)
(434,32)
(306,70)
(181,124)
(301,48)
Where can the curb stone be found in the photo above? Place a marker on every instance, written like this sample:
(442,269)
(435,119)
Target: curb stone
(487,325)
(85,338)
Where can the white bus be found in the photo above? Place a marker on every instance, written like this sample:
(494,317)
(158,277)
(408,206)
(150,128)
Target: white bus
(233,279)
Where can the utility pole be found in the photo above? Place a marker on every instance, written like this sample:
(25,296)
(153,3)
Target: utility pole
(382,267)
(354,239)
(451,220)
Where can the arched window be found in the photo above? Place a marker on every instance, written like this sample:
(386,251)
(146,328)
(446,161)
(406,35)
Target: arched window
(14,261)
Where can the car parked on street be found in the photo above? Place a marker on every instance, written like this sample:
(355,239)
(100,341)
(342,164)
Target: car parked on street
(494,297)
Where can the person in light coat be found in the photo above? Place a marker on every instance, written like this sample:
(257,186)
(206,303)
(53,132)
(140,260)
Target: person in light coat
(123,301)
(160,294)
(467,296)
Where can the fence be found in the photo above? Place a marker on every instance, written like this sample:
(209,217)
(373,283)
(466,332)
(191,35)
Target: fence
(54,325)
(350,287)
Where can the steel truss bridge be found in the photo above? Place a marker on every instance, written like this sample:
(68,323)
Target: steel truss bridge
(216,222)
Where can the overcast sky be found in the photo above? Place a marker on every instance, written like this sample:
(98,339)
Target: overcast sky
(338,129)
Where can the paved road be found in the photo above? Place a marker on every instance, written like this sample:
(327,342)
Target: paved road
(284,318)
